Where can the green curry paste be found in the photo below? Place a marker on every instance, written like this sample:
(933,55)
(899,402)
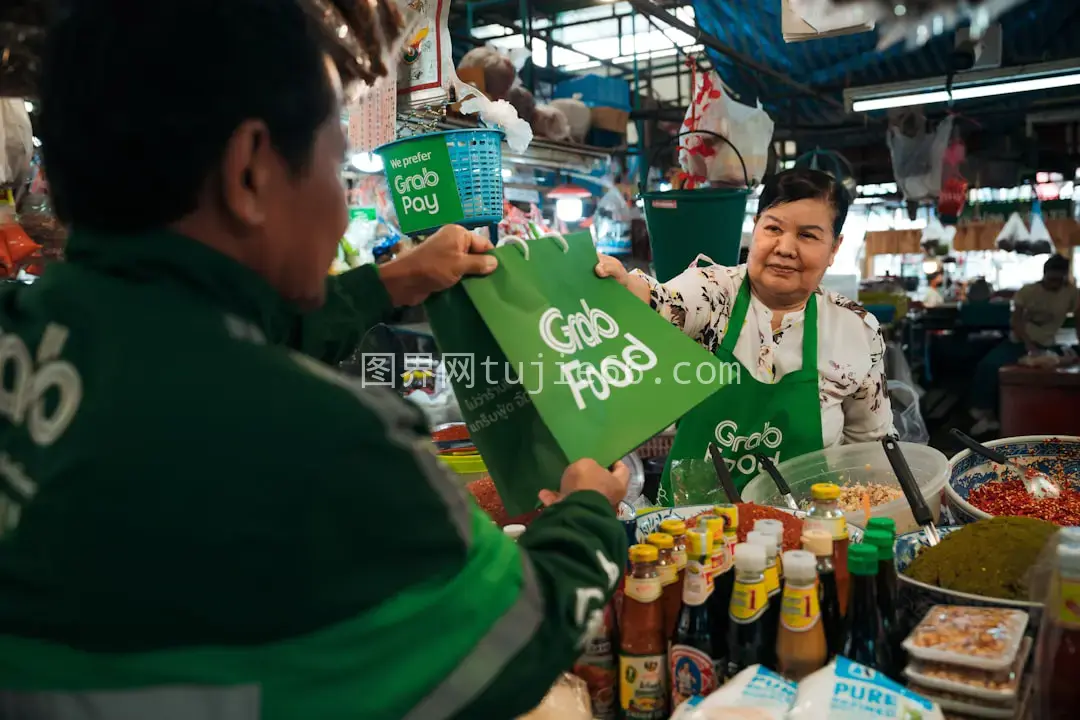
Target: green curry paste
(989,557)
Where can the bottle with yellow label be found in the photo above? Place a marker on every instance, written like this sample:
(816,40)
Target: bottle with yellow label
(772,590)
(800,642)
(671,580)
(825,514)
(746,637)
(643,688)
(725,580)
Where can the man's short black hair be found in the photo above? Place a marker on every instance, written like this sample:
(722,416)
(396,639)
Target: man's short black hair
(1056,263)
(805,184)
(140,97)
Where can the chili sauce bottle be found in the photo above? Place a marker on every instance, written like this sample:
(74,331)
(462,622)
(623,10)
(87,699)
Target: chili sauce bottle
(596,666)
(825,514)
(865,641)
(643,693)
(747,641)
(882,541)
(819,543)
(694,656)
(772,592)
(670,580)
(800,643)
(677,530)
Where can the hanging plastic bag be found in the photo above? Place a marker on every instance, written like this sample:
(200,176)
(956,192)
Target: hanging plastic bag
(1014,235)
(918,159)
(907,418)
(707,159)
(16,140)
(613,217)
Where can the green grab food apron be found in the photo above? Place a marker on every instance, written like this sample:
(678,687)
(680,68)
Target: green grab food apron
(781,420)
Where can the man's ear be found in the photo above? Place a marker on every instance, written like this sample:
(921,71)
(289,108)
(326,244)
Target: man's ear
(245,168)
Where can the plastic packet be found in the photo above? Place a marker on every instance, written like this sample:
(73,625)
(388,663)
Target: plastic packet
(500,114)
(568,699)
(753,694)
(977,637)
(1014,233)
(694,482)
(1001,686)
(918,159)
(16,140)
(844,690)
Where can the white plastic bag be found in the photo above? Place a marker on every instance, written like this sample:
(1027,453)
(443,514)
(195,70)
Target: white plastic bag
(1014,234)
(907,418)
(16,140)
(707,158)
(917,160)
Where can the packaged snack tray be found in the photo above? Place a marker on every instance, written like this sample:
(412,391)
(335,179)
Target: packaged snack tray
(976,637)
(1002,686)
(968,707)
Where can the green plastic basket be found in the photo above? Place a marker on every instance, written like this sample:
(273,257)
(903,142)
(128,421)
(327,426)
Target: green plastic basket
(686,223)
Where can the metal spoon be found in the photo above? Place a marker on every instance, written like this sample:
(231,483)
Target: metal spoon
(919,510)
(1038,484)
(781,484)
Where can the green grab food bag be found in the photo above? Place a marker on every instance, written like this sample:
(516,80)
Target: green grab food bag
(581,367)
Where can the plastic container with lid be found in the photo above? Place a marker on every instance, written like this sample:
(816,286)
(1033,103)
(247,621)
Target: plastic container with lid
(858,464)
(977,637)
(999,687)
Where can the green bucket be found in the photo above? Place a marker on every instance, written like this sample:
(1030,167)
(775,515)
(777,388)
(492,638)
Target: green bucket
(686,223)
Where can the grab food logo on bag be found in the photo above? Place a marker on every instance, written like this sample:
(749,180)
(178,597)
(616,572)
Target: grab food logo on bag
(574,333)
(727,436)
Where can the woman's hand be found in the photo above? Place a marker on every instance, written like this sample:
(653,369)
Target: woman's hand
(610,267)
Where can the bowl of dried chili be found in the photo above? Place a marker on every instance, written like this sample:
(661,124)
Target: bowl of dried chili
(979,488)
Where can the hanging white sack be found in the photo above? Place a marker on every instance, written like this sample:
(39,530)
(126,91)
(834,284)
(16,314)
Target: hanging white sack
(1014,232)
(917,160)
(16,140)
(1041,241)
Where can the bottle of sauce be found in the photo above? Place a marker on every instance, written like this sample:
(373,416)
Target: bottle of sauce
(677,530)
(776,529)
(597,667)
(800,643)
(718,564)
(772,591)
(825,514)
(888,596)
(819,543)
(725,581)
(747,636)
(1057,653)
(864,633)
(670,580)
(643,691)
(693,658)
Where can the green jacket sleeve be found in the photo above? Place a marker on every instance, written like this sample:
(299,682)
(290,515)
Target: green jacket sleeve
(576,549)
(356,301)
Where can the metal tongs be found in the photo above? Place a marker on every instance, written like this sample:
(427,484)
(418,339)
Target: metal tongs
(723,474)
(781,484)
(1039,485)
(919,510)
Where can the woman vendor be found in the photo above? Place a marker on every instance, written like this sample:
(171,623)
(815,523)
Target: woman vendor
(807,364)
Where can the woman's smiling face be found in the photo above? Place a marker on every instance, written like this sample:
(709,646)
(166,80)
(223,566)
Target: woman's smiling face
(792,248)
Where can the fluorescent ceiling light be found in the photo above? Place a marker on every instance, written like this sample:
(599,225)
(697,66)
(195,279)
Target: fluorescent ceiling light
(968,86)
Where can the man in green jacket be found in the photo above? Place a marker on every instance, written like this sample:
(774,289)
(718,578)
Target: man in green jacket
(197,520)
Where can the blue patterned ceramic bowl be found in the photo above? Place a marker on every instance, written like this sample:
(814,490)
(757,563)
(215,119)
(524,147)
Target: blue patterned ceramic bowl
(968,471)
(649,521)
(916,598)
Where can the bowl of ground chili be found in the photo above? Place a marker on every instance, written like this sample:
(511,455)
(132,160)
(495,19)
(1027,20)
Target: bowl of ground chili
(979,488)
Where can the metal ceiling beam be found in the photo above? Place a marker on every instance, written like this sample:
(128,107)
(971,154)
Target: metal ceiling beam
(646,7)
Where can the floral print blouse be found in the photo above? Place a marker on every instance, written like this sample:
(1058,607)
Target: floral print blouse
(852,386)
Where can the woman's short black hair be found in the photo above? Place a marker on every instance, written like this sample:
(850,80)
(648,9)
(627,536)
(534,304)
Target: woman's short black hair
(140,98)
(805,184)
(1056,263)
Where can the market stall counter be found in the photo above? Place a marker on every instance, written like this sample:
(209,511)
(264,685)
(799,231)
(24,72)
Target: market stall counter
(1039,401)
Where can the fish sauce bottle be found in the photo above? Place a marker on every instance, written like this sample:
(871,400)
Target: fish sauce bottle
(888,596)
(693,657)
(772,592)
(865,641)
(819,543)
(800,642)
(747,642)
(721,574)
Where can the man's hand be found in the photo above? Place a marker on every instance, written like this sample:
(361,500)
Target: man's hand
(588,475)
(436,264)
